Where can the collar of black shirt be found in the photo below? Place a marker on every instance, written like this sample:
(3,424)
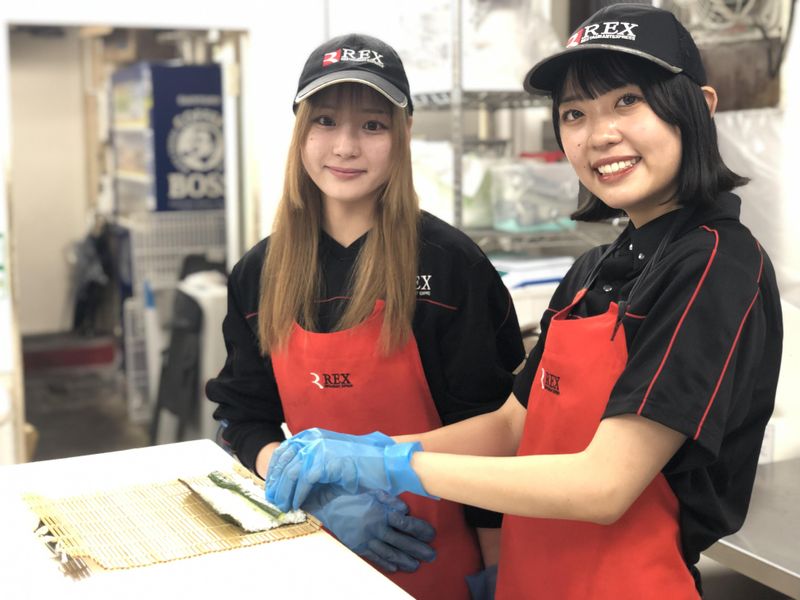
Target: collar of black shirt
(642,242)
(328,245)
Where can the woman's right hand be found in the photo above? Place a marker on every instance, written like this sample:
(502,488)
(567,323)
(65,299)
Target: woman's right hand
(353,463)
(264,458)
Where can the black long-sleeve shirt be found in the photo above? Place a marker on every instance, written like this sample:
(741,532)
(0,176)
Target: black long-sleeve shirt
(464,324)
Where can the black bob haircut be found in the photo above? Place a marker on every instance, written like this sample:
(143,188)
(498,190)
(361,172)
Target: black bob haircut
(676,100)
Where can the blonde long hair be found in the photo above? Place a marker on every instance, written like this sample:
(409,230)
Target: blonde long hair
(387,262)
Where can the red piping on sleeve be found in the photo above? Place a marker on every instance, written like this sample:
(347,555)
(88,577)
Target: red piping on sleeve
(733,347)
(324,300)
(683,318)
(255,314)
(447,306)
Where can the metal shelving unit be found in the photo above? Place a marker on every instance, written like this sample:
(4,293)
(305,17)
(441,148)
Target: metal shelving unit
(566,242)
(457,100)
(476,99)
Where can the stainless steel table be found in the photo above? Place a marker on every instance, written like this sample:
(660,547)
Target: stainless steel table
(767,548)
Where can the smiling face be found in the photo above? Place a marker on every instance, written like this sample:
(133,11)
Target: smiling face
(348,149)
(621,150)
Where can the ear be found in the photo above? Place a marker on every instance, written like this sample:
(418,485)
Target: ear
(711,98)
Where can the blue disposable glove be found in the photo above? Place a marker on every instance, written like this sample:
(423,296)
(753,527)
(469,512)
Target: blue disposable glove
(376,438)
(375,526)
(299,465)
(282,455)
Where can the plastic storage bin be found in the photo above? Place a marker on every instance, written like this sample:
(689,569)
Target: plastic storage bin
(530,196)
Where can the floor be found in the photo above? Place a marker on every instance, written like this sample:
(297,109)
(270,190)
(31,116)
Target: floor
(75,397)
(81,409)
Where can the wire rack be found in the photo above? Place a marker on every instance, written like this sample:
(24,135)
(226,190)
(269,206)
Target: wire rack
(572,241)
(712,21)
(160,241)
(140,409)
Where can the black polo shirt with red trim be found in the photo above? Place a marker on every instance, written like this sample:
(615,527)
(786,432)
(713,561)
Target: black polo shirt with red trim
(464,324)
(704,336)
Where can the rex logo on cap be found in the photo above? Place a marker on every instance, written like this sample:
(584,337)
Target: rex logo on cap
(349,55)
(611,30)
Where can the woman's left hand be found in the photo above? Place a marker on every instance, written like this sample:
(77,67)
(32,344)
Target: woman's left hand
(376,526)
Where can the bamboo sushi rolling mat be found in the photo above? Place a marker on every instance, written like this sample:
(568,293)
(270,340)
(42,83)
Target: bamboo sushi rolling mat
(145,524)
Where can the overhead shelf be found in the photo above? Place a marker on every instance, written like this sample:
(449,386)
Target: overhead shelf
(134,176)
(477,99)
(131,126)
(575,240)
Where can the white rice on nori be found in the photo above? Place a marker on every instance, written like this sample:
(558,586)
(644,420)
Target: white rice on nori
(237,508)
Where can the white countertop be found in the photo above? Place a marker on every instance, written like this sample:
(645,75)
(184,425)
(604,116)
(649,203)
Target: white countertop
(311,566)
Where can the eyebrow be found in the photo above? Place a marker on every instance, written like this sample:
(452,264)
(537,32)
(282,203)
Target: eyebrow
(366,109)
(571,99)
(580,97)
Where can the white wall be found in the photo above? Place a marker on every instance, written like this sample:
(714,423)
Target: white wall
(280,34)
(48,175)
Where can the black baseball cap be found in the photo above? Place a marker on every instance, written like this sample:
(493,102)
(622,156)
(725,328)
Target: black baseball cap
(356,58)
(642,30)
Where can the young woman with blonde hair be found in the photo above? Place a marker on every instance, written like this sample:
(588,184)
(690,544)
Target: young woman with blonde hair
(362,313)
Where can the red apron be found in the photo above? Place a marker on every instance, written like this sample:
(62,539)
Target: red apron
(639,556)
(338,381)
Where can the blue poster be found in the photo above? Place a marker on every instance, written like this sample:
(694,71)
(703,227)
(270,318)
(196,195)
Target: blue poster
(168,138)
(188,137)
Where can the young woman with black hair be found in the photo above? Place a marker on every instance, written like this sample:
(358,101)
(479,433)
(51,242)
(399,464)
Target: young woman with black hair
(631,439)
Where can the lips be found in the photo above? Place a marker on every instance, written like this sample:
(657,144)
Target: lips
(345,173)
(611,168)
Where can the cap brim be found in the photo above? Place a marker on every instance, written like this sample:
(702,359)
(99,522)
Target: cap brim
(542,77)
(377,83)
